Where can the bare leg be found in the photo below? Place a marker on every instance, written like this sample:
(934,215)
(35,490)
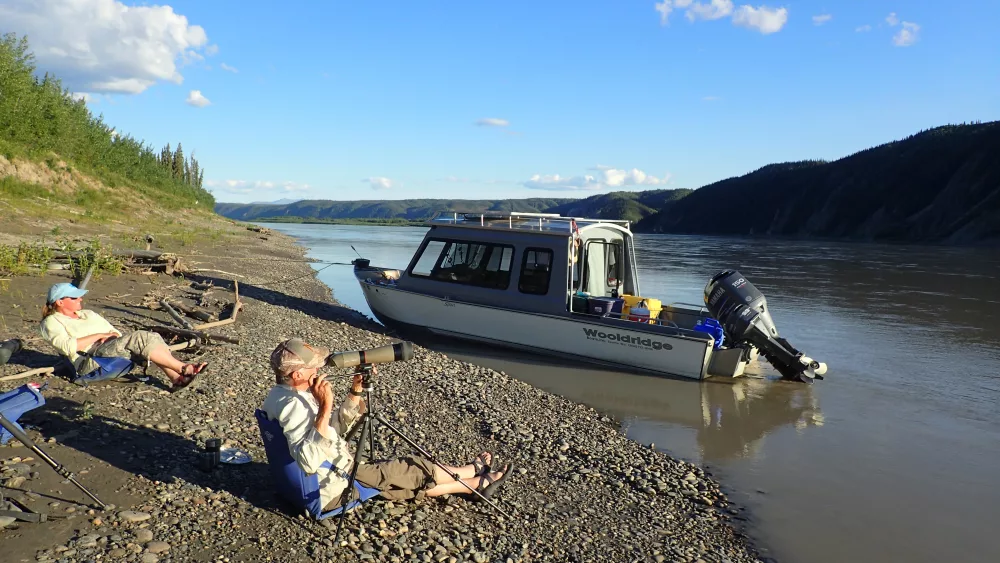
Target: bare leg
(454,487)
(168,363)
(465,471)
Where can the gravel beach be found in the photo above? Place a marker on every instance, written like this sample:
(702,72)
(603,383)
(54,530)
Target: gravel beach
(582,491)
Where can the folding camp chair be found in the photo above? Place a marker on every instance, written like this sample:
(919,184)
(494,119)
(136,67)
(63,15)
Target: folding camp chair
(295,485)
(16,402)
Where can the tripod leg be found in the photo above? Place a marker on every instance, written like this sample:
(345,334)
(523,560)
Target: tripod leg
(434,460)
(366,427)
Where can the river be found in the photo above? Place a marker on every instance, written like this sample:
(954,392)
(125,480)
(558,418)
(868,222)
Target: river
(894,456)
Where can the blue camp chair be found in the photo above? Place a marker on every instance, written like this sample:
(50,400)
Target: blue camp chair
(294,484)
(16,402)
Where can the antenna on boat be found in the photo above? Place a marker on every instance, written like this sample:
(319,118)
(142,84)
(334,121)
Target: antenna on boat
(356,252)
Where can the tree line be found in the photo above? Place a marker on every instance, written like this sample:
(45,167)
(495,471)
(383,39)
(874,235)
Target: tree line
(39,117)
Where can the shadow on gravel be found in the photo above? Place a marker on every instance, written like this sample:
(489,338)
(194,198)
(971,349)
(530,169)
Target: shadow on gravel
(312,307)
(156,455)
(35,359)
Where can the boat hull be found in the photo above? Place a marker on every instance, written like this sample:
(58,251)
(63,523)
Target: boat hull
(558,335)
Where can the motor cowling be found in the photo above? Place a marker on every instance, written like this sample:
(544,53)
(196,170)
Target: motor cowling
(741,309)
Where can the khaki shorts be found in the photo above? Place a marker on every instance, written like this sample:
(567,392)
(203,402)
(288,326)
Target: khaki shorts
(397,479)
(140,343)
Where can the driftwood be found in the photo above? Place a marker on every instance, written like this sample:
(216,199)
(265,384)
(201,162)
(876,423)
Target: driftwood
(237,305)
(199,270)
(183,345)
(175,315)
(29,373)
(194,312)
(194,334)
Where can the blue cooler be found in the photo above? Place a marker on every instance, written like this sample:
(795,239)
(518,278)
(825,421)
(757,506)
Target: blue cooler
(605,306)
(711,326)
(16,402)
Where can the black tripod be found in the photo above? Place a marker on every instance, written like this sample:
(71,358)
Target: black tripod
(58,467)
(366,440)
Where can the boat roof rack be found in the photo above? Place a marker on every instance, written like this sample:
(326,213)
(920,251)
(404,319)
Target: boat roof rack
(552,223)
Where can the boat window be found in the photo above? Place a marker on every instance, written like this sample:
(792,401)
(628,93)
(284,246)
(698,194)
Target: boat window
(536,270)
(428,258)
(470,263)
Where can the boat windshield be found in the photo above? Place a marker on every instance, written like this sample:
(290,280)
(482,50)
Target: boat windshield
(470,263)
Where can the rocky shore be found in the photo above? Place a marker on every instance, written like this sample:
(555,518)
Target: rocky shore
(582,491)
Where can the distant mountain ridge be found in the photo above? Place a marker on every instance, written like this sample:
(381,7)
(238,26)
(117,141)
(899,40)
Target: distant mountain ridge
(409,209)
(939,185)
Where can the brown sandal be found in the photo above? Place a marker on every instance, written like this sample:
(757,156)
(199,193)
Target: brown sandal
(188,376)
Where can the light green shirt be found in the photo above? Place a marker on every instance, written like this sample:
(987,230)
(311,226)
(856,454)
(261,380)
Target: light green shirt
(61,331)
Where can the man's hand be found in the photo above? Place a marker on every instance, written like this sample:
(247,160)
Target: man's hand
(321,390)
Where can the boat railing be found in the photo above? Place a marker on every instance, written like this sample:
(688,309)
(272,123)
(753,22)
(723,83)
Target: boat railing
(482,217)
(699,307)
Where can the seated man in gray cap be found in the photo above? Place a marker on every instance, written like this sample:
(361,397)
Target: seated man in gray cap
(302,403)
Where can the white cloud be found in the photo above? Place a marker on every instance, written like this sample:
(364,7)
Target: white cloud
(606,178)
(863,28)
(892,19)
(711,98)
(763,19)
(379,182)
(104,46)
(212,50)
(822,19)
(492,122)
(250,187)
(226,67)
(716,9)
(87,97)
(906,36)
(196,99)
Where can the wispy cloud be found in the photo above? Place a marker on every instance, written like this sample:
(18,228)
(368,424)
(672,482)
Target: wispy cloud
(106,46)
(254,186)
(762,18)
(196,99)
(212,50)
(492,122)
(379,182)
(606,178)
(908,35)
(711,98)
(863,28)
(228,68)
(822,19)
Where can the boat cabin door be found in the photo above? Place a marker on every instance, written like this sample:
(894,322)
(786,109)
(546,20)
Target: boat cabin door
(603,268)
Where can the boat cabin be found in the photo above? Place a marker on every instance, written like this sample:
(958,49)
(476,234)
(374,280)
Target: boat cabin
(523,261)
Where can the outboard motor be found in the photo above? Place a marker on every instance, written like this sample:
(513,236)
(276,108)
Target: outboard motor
(742,311)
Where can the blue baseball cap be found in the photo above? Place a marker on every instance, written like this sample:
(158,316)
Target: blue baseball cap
(61,290)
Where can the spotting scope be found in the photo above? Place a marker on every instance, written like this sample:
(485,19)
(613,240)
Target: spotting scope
(400,351)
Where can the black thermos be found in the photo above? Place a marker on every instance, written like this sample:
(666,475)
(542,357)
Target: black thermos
(211,457)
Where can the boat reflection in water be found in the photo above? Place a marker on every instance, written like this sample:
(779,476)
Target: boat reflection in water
(730,418)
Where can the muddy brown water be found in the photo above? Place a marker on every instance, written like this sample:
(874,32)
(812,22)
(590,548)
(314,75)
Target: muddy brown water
(894,456)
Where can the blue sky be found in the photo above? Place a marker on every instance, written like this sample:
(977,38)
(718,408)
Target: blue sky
(402,99)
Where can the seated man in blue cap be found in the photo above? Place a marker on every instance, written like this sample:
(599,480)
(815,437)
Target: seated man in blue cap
(71,329)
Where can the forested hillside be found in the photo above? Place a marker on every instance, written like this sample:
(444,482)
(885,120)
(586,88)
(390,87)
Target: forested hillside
(938,185)
(52,149)
(630,206)
(408,209)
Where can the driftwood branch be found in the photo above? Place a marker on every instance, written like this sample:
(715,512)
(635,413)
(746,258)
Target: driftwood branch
(195,334)
(183,345)
(237,305)
(175,315)
(193,312)
(29,373)
(199,270)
